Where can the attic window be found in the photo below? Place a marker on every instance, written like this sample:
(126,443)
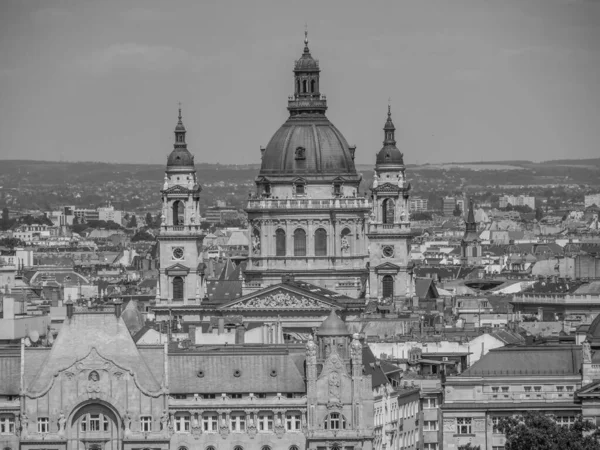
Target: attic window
(237,373)
(300,154)
(273,373)
(200,374)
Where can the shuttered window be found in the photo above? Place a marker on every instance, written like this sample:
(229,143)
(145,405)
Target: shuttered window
(388,286)
(321,242)
(279,242)
(177,288)
(299,242)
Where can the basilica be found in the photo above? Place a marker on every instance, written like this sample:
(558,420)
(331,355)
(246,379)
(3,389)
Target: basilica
(307,219)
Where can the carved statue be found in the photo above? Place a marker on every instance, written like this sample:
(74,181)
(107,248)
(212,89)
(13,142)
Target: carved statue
(127,422)
(345,244)
(24,424)
(166,183)
(375,179)
(62,420)
(256,244)
(311,348)
(93,382)
(587,352)
(164,421)
(334,385)
(356,348)
(190,182)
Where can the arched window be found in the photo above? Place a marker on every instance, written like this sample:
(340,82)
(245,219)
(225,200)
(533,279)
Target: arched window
(474,252)
(178,213)
(237,447)
(345,240)
(265,447)
(294,447)
(210,447)
(304,86)
(178,288)
(300,153)
(321,242)
(313,84)
(298,86)
(335,421)
(388,286)
(279,242)
(387,210)
(185,448)
(299,242)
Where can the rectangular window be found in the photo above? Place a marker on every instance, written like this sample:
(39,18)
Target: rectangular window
(505,388)
(463,425)
(560,388)
(146,423)
(292,422)
(429,403)
(495,423)
(527,388)
(265,422)
(210,423)
(537,388)
(238,422)
(94,422)
(565,420)
(498,447)
(182,423)
(495,389)
(430,425)
(7,424)
(236,396)
(570,388)
(43,425)
(105,423)
(430,446)
(209,396)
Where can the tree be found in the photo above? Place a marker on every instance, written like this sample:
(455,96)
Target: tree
(421,216)
(142,235)
(539,214)
(536,431)
(149,220)
(132,222)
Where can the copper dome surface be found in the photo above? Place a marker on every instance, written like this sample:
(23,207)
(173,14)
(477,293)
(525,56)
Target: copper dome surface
(333,326)
(390,155)
(180,157)
(325,149)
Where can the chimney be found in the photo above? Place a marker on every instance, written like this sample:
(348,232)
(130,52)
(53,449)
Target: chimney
(118,305)
(221,325)
(69,305)
(240,331)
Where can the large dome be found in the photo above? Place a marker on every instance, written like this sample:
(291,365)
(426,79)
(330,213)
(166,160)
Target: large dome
(311,145)
(390,155)
(180,157)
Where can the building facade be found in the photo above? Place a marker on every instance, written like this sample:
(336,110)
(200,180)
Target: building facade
(95,389)
(180,239)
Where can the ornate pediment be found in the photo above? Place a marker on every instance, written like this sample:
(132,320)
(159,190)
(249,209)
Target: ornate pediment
(387,187)
(280,299)
(178,189)
(591,390)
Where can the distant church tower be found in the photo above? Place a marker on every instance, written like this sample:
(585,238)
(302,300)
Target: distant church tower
(470,245)
(389,229)
(180,239)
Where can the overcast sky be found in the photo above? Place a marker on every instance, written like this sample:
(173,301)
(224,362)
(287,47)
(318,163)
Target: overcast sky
(469,80)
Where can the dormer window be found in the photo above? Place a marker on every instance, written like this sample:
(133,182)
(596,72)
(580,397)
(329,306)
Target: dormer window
(300,189)
(267,189)
(300,154)
(337,189)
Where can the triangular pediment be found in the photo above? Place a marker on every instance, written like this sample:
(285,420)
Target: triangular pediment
(387,266)
(177,267)
(339,180)
(177,189)
(387,187)
(591,390)
(280,297)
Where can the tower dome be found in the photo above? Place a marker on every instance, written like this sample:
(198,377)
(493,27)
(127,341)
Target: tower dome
(308,144)
(333,326)
(180,157)
(389,154)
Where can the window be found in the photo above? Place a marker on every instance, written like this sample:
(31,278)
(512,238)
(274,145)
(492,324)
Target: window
(560,388)
(300,153)
(430,425)
(265,422)
(94,422)
(430,446)
(337,189)
(210,423)
(335,421)
(7,424)
(238,422)
(265,447)
(178,213)
(527,388)
(388,286)
(321,242)
(495,424)
(300,189)
(209,396)
(537,388)
(570,388)
(279,242)
(146,423)
(429,403)
(498,447)
(387,209)
(182,423)
(304,84)
(463,425)
(178,288)
(210,447)
(292,422)
(237,447)
(505,388)
(565,420)
(312,86)
(299,242)
(105,423)
(43,425)
(495,389)
(236,396)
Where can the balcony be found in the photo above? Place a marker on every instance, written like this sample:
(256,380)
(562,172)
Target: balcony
(390,228)
(357,203)
(180,230)
(557,299)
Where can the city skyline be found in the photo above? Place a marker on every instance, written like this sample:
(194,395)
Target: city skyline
(101,82)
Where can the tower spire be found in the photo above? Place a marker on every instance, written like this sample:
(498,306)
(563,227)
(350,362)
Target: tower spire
(389,129)
(180,131)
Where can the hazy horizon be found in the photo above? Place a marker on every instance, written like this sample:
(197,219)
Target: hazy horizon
(469,80)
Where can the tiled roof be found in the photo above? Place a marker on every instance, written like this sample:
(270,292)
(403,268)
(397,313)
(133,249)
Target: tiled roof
(523,360)
(238,369)
(372,367)
(10,372)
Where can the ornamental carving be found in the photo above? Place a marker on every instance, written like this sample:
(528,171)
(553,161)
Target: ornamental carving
(449,425)
(479,424)
(334,387)
(283,300)
(311,348)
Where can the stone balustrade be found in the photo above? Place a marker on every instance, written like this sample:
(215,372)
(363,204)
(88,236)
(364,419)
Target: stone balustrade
(308,203)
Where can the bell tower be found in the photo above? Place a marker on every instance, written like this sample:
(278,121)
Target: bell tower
(389,228)
(180,239)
